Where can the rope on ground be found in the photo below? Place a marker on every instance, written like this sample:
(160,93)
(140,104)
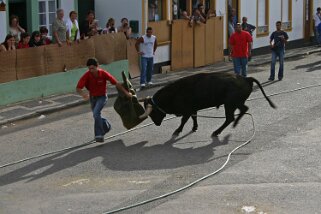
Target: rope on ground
(192,183)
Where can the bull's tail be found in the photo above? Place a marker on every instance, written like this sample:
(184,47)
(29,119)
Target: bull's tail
(266,97)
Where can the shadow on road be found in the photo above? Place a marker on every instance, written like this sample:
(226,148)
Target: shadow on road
(117,156)
(310,67)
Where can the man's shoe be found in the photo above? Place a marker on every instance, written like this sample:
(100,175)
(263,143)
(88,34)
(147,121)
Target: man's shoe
(150,83)
(143,85)
(280,79)
(99,139)
(271,79)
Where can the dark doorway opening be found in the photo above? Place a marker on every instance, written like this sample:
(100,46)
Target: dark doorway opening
(19,8)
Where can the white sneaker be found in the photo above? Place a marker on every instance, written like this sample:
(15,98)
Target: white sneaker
(150,83)
(142,85)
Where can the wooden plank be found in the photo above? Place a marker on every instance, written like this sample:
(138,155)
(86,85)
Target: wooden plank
(210,41)
(8,66)
(162,30)
(133,59)
(30,62)
(176,49)
(199,45)
(187,45)
(104,48)
(219,50)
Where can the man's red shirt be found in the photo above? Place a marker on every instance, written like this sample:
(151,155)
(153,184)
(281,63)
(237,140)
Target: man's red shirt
(96,86)
(240,42)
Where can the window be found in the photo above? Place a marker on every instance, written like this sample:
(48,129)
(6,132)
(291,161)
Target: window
(262,17)
(156,10)
(286,6)
(47,13)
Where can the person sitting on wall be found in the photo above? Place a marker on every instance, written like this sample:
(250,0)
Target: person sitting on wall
(24,41)
(8,44)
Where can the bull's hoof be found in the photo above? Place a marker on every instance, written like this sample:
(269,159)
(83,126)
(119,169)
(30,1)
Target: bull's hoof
(215,134)
(176,133)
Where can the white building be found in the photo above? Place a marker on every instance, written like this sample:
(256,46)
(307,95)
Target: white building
(296,16)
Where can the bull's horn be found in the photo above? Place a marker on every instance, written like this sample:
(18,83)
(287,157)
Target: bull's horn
(148,110)
(143,99)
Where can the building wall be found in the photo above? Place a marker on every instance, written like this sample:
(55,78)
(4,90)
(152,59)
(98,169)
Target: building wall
(131,9)
(67,6)
(3,23)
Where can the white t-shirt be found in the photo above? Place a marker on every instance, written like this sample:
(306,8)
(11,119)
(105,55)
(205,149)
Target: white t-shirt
(317,19)
(148,46)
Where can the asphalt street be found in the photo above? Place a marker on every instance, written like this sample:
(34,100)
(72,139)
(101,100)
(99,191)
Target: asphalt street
(279,171)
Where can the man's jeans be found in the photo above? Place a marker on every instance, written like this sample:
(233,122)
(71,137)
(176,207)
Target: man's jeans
(240,64)
(102,125)
(275,54)
(147,69)
(317,36)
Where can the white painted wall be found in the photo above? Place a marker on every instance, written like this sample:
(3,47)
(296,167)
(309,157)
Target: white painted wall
(131,9)
(67,6)
(221,10)
(3,23)
(248,9)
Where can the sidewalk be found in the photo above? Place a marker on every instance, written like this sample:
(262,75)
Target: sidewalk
(38,107)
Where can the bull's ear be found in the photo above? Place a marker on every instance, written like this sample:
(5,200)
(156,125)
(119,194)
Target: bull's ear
(147,112)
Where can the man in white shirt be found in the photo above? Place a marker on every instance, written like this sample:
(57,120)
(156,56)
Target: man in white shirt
(146,47)
(317,21)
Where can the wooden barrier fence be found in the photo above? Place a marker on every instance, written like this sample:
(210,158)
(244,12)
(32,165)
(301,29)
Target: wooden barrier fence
(199,45)
(48,59)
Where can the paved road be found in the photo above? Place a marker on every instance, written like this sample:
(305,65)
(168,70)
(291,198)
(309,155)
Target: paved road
(278,172)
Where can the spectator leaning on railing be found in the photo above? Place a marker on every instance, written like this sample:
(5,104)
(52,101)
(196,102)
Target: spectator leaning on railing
(125,28)
(24,41)
(73,27)
(8,44)
(59,29)
(44,36)
(35,39)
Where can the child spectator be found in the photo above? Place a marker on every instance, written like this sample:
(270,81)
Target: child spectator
(24,41)
(110,26)
(35,40)
(8,44)
(44,35)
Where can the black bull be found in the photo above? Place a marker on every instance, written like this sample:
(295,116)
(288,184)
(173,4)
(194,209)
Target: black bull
(188,95)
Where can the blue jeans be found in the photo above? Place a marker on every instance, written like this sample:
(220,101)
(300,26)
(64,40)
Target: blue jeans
(102,126)
(240,65)
(275,54)
(317,36)
(147,69)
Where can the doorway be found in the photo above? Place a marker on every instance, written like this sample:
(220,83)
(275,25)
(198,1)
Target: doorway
(19,8)
(83,7)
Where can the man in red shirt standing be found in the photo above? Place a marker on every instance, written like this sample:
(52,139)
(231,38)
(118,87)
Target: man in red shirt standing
(241,45)
(95,81)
